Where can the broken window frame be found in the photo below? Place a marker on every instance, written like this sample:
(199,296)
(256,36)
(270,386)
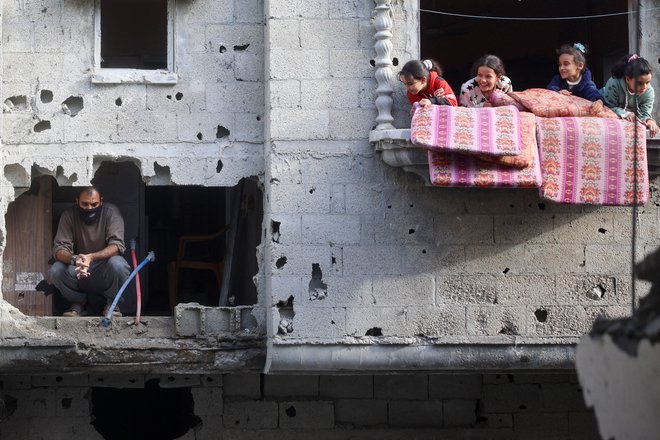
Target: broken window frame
(136,76)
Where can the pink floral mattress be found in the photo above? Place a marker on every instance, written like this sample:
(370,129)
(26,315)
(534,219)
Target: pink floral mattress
(493,131)
(592,160)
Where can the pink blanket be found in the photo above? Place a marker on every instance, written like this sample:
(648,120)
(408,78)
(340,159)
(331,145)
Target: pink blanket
(493,131)
(592,160)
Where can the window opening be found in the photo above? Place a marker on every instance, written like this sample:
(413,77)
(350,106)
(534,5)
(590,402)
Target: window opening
(528,48)
(157,217)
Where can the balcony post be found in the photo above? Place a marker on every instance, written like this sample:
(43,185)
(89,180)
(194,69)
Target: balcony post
(384,76)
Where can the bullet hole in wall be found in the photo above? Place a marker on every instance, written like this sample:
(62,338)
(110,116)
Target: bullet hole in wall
(541,315)
(258,118)
(597,292)
(602,230)
(287,303)
(218,166)
(66,402)
(221,132)
(541,206)
(374,331)
(411,231)
(318,290)
(169,96)
(178,96)
(508,328)
(41,126)
(395,61)
(280,262)
(333,260)
(275,230)
(241,47)
(373,63)
(312,189)
(44,10)
(199,136)
(506,270)
(223,49)
(46,96)
(290,411)
(72,105)
(423,251)
(18,102)
(118,102)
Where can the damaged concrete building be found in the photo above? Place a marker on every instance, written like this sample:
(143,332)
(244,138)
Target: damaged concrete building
(342,296)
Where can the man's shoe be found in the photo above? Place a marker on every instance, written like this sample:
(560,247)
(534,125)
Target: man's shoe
(116,313)
(76,310)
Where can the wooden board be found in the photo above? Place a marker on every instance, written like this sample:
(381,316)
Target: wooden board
(28,249)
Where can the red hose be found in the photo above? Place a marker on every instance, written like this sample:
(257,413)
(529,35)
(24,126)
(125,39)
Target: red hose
(137,285)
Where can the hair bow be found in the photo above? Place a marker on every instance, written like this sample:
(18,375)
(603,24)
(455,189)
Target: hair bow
(580,47)
(633,57)
(428,64)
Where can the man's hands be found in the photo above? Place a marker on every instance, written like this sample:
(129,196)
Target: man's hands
(83,261)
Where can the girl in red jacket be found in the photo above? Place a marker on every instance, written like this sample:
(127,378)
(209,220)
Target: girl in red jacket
(425,85)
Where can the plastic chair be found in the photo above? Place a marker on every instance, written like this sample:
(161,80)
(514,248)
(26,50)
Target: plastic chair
(182,262)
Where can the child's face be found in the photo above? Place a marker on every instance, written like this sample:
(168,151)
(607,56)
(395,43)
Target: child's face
(568,68)
(486,78)
(642,83)
(413,85)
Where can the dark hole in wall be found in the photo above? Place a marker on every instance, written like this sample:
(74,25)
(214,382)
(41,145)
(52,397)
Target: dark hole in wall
(218,166)
(73,105)
(374,331)
(221,132)
(46,96)
(134,34)
(280,262)
(41,126)
(242,47)
(118,102)
(541,315)
(151,412)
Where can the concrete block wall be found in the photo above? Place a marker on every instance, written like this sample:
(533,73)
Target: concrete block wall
(177,134)
(251,406)
(392,254)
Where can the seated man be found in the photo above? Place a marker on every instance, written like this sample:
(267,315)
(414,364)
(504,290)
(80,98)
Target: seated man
(88,247)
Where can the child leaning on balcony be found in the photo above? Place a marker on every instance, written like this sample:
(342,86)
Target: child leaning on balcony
(629,93)
(425,84)
(489,75)
(574,77)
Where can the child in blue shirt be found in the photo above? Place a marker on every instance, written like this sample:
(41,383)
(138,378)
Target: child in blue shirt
(574,77)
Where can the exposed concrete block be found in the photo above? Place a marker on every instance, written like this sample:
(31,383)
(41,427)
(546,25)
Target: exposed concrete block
(459,412)
(248,127)
(498,320)
(495,420)
(299,64)
(596,228)
(525,228)
(648,226)
(588,289)
(439,260)
(367,93)
(562,397)
(305,415)
(319,322)
(208,401)
(299,124)
(251,415)
(284,286)
(363,199)
(242,385)
(238,96)
(16,429)
(188,319)
(200,13)
(330,94)
(116,380)
(331,229)
(495,259)
(405,229)
(249,67)
(175,380)
(583,425)
(213,66)
(347,387)
(409,290)
(341,292)
(284,34)
(608,259)
(151,127)
(512,398)
(16,382)
(73,402)
(351,63)
(338,199)
(440,320)
(359,413)
(468,289)
(557,259)
(34,403)
(17,35)
(249,11)
(299,8)
(286,229)
(561,321)
(401,387)
(58,380)
(285,93)
(372,260)
(291,386)
(344,168)
(289,199)
(218,321)
(542,378)
(211,380)
(18,67)
(203,127)
(455,386)
(416,414)
(541,426)
(349,9)
(351,124)
(332,34)
(515,289)
(376,321)
(463,229)
(88,128)
(298,260)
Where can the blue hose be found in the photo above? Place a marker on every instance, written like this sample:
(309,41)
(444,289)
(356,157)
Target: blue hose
(108,315)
